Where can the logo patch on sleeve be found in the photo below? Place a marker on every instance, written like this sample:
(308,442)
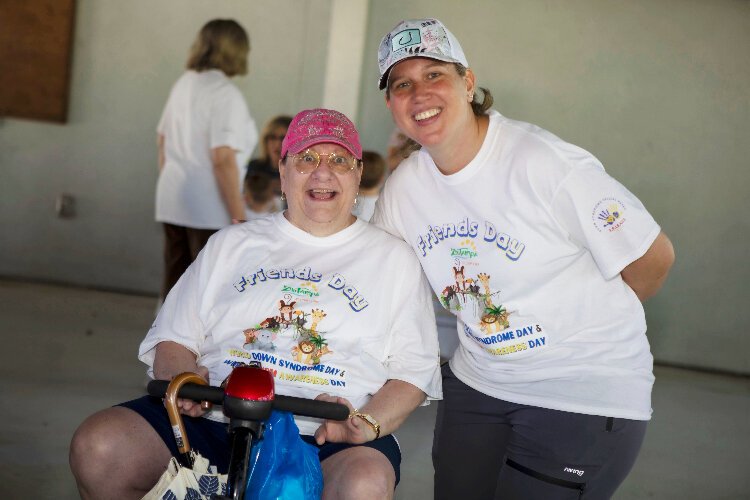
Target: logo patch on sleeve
(608,215)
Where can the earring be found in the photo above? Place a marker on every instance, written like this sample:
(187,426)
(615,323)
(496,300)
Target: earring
(283,196)
(471,96)
(356,199)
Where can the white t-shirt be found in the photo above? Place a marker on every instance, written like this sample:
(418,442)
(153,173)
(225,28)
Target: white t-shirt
(525,245)
(271,207)
(365,207)
(204,111)
(340,315)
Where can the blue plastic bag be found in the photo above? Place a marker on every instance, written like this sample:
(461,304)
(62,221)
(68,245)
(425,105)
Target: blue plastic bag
(284,467)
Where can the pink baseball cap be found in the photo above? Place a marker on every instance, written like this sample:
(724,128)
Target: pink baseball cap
(313,126)
(418,38)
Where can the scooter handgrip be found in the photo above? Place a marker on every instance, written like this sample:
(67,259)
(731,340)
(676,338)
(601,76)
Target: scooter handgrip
(196,392)
(311,407)
(298,406)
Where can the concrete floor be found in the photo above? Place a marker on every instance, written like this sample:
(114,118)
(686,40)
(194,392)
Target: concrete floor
(70,352)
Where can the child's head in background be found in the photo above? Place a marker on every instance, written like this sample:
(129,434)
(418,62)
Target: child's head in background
(258,193)
(373,172)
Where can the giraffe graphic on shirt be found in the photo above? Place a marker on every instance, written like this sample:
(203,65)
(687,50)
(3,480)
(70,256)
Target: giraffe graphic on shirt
(311,344)
(495,318)
(492,318)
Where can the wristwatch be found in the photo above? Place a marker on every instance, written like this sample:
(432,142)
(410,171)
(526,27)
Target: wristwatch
(369,420)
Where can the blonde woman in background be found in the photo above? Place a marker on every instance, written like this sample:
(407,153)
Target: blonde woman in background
(205,134)
(270,154)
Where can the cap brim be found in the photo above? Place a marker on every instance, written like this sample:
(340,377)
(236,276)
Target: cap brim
(384,77)
(322,140)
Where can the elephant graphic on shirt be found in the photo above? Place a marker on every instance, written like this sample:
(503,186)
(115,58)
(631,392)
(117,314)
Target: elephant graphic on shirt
(264,340)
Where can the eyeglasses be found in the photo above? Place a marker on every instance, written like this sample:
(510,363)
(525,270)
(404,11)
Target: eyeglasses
(307,161)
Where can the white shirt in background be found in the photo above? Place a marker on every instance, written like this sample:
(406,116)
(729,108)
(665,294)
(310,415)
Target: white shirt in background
(204,111)
(365,207)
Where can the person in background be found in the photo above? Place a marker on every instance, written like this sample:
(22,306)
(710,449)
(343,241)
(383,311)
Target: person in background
(258,194)
(204,135)
(399,148)
(373,174)
(298,290)
(270,153)
(545,260)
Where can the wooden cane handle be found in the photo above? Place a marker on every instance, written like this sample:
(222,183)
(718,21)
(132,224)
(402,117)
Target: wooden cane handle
(170,398)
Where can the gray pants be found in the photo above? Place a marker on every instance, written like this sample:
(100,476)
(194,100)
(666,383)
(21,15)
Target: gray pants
(487,448)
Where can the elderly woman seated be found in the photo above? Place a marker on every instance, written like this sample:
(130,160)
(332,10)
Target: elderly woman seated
(338,310)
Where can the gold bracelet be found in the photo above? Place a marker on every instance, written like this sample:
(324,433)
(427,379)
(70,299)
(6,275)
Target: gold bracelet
(369,420)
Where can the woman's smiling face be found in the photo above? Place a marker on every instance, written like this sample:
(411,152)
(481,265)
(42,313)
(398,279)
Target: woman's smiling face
(320,202)
(429,99)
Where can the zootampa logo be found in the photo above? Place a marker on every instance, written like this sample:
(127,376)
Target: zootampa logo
(465,250)
(303,290)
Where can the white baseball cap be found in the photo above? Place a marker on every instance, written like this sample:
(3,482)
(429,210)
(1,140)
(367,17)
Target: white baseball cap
(418,38)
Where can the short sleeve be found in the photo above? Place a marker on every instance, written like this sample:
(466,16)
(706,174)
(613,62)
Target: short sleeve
(380,217)
(230,123)
(601,215)
(386,210)
(179,320)
(412,352)
(165,115)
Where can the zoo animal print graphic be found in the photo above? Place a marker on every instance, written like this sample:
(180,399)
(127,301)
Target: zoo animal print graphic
(458,273)
(311,344)
(494,318)
(285,312)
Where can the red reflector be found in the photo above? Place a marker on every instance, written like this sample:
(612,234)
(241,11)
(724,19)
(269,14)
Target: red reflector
(250,383)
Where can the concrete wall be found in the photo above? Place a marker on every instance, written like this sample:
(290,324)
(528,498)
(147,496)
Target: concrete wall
(657,89)
(126,56)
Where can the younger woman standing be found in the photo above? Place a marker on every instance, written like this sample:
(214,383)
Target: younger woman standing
(544,259)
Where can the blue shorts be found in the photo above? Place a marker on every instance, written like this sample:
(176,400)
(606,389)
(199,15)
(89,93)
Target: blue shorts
(211,439)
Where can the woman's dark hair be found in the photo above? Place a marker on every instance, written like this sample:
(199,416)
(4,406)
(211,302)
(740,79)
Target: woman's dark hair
(221,44)
(407,147)
(479,108)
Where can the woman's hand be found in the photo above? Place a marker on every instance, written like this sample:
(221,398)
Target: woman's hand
(351,430)
(188,406)
(170,360)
